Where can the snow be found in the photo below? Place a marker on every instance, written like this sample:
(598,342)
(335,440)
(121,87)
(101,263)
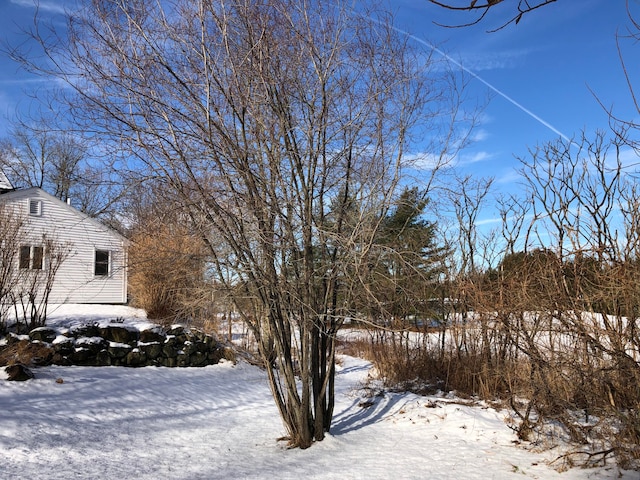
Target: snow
(220,422)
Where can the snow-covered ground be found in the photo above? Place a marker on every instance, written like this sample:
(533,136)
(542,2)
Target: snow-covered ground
(220,422)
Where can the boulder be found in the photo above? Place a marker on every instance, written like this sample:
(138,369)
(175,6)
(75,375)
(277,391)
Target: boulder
(198,359)
(119,350)
(119,334)
(201,347)
(85,330)
(80,356)
(175,330)
(18,373)
(169,362)
(103,359)
(64,345)
(135,358)
(199,335)
(169,350)
(210,342)
(215,356)
(93,344)
(182,360)
(152,335)
(151,350)
(43,334)
(62,360)
(189,348)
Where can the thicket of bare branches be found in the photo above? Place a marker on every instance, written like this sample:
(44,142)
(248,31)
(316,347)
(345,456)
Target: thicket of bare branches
(282,129)
(551,327)
(543,311)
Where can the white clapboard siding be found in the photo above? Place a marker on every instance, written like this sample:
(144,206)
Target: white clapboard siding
(75,281)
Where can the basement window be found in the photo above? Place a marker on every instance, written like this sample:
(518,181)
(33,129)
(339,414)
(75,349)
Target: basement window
(102,263)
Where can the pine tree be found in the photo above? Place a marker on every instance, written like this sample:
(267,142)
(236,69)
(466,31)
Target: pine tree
(407,262)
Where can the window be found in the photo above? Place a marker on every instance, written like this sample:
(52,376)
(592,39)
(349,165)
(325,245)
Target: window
(101,264)
(31,257)
(35,208)
(25,256)
(37,258)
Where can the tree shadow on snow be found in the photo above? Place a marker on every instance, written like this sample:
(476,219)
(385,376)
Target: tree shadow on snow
(365,411)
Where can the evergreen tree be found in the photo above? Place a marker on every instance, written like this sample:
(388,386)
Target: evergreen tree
(407,261)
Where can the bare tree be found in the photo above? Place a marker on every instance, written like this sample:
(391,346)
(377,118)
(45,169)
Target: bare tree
(11,231)
(33,282)
(26,168)
(27,273)
(571,303)
(41,153)
(281,128)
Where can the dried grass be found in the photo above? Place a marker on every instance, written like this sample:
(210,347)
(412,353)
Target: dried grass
(26,353)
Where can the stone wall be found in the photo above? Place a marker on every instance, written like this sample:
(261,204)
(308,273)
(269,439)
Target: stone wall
(120,345)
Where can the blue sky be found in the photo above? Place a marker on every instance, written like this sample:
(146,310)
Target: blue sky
(548,64)
(551,64)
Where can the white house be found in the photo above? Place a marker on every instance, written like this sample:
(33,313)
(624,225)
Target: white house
(95,270)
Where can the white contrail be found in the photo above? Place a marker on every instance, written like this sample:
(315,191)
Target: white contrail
(479,78)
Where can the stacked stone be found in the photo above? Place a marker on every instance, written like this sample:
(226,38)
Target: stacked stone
(120,345)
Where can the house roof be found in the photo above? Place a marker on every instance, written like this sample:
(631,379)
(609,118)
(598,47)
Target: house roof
(8,196)
(5,184)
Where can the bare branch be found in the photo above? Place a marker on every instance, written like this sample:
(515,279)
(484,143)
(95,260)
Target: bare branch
(524,7)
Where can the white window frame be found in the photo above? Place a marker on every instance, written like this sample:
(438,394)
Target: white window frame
(32,257)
